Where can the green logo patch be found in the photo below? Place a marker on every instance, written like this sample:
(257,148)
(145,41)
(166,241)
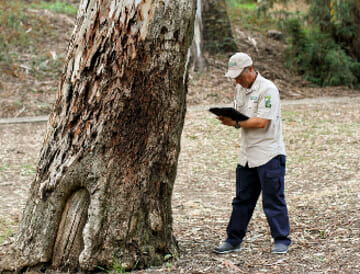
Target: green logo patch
(231,64)
(268,101)
(253,97)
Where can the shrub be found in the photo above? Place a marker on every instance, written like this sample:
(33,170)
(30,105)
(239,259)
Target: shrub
(337,18)
(318,57)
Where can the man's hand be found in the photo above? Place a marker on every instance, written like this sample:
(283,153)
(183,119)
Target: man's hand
(226,121)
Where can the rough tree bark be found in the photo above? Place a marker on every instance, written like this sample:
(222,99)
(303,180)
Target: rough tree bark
(212,32)
(104,181)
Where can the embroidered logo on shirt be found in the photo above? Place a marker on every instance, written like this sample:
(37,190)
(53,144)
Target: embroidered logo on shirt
(268,101)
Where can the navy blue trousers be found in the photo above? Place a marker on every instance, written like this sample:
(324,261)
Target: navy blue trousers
(268,179)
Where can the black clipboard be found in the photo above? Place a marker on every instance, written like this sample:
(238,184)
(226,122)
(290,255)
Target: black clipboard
(229,112)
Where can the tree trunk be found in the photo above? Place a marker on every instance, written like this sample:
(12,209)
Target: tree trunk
(197,47)
(217,28)
(102,192)
(212,32)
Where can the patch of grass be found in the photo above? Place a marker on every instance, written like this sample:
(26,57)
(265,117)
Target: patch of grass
(28,169)
(20,34)
(241,4)
(58,7)
(44,66)
(6,229)
(13,30)
(4,167)
(245,15)
(18,27)
(290,116)
(118,267)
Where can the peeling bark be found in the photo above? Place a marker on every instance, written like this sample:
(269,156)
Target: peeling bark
(113,139)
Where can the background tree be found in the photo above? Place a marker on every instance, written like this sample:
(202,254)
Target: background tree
(197,47)
(212,32)
(218,36)
(102,192)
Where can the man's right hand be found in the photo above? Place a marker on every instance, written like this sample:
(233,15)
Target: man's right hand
(226,121)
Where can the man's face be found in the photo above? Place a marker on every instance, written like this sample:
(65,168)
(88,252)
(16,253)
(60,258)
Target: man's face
(245,78)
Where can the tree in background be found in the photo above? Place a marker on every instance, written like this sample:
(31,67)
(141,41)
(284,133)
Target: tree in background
(212,32)
(217,32)
(102,192)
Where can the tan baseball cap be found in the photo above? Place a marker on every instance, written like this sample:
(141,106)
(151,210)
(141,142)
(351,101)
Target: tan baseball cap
(237,63)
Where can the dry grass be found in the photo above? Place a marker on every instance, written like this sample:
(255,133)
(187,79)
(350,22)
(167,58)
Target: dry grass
(323,150)
(322,191)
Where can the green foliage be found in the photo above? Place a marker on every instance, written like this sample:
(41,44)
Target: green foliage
(118,267)
(321,51)
(58,7)
(325,51)
(264,6)
(337,19)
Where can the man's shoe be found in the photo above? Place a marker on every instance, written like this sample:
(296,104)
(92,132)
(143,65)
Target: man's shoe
(227,248)
(279,248)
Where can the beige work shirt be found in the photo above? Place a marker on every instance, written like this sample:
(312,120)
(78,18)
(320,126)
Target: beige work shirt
(260,145)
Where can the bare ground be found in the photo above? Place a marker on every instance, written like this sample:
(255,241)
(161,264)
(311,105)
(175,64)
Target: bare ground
(322,139)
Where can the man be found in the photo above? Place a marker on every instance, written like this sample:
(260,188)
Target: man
(261,166)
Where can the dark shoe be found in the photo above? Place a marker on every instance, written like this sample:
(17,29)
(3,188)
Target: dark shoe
(279,248)
(227,248)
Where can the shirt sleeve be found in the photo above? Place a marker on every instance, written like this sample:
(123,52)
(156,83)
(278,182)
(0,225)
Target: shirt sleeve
(268,104)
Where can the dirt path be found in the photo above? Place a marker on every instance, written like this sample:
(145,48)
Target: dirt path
(322,140)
